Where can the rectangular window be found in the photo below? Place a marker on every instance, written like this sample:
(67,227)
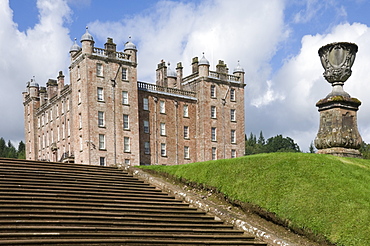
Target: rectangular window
(127,161)
(213,134)
(100,94)
(125,97)
(101,141)
(79,120)
(146,126)
(214,153)
(62,107)
(124,73)
(186,110)
(186,132)
(232,115)
(233,153)
(102,161)
(213,91)
(163,129)
(162,107)
(68,128)
(145,103)
(78,100)
(81,143)
(63,131)
(99,69)
(232,95)
(51,114)
(147,148)
(126,144)
(213,112)
(163,149)
(100,119)
(186,152)
(126,124)
(233,136)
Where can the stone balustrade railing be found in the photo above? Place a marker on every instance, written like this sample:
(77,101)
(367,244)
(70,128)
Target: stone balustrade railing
(152,87)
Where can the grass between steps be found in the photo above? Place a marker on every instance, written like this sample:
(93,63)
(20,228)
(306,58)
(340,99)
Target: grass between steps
(326,195)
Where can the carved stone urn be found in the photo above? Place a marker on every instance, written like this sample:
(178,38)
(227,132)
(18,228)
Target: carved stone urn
(338,133)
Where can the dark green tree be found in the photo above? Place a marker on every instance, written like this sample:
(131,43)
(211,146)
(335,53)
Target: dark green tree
(3,148)
(312,148)
(11,151)
(261,139)
(281,144)
(21,153)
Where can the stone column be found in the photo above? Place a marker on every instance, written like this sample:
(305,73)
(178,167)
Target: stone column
(338,134)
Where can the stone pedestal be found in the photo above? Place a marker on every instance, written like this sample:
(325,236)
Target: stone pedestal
(338,134)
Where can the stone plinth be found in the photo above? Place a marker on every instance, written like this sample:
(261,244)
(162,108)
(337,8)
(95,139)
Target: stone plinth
(338,134)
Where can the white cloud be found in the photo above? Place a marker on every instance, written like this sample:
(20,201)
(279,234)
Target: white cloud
(228,30)
(40,51)
(300,80)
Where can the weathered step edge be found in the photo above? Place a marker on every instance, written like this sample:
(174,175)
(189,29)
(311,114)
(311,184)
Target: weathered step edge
(220,213)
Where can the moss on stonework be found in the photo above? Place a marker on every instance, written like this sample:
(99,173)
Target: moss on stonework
(339,99)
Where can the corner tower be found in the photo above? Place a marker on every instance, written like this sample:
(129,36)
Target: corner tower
(104,92)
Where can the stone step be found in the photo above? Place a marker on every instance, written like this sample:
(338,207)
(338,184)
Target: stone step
(58,174)
(114,196)
(86,189)
(138,242)
(67,204)
(79,183)
(57,165)
(71,179)
(56,213)
(30,201)
(122,235)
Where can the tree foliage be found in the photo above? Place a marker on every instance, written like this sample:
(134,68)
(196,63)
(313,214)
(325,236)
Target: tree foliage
(273,144)
(8,150)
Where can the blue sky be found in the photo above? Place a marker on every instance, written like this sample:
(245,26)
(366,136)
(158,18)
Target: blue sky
(276,42)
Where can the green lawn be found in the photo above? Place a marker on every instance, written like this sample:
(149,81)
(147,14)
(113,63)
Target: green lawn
(325,194)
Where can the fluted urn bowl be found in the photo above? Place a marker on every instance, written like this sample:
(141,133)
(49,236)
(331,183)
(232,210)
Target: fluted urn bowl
(337,60)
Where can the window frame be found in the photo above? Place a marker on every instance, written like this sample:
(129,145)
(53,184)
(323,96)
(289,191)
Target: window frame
(186,132)
(125,98)
(213,91)
(99,70)
(163,150)
(146,126)
(232,115)
(126,122)
(162,129)
(102,142)
(124,74)
(213,134)
(213,112)
(101,120)
(126,145)
(186,111)
(100,96)
(145,103)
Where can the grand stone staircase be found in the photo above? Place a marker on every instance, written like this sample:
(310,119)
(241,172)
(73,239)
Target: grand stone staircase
(43,203)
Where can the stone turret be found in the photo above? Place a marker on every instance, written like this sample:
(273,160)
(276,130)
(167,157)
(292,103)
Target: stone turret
(130,48)
(203,67)
(87,41)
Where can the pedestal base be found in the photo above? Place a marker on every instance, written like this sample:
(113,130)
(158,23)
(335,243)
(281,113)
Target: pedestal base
(342,152)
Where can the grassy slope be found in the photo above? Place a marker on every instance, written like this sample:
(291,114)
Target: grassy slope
(326,194)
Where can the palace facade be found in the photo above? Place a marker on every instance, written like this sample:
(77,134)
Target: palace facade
(105,116)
